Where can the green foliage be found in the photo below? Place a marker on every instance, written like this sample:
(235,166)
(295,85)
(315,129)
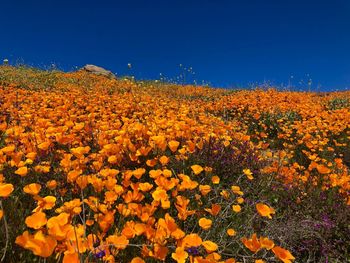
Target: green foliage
(338,103)
(28,77)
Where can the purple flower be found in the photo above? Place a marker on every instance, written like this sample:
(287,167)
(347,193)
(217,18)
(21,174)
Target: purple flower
(100,254)
(193,251)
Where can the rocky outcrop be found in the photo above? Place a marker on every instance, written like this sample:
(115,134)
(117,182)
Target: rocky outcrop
(98,71)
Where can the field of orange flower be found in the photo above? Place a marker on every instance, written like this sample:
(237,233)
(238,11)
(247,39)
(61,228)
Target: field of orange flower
(103,170)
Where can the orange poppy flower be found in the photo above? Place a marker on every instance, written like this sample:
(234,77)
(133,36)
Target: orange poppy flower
(323,169)
(44,146)
(231,232)
(8,149)
(178,234)
(164,160)
(204,189)
(139,172)
(42,168)
(32,189)
(137,260)
(180,255)
(160,142)
(1,213)
(225,194)
(205,223)
(192,240)
(36,220)
(71,258)
(40,244)
(145,187)
(248,173)
(46,203)
(265,210)
(58,226)
(240,200)
(236,208)
(266,243)
(215,179)
(252,244)
(151,162)
(186,183)
(73,175)
(283,254)
(160,252)
(173,145)
(119,242)
(210,246)
(80,151)
(113,159)
(52,184)
(214,210)
(236,190)
(160,194)
(6,190)
(22,171)
(197,169)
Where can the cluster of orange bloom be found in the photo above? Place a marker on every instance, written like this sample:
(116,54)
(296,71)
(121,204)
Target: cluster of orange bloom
(97,165)
(307,129)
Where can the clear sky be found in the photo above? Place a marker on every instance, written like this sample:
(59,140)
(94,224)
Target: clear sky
(227,42)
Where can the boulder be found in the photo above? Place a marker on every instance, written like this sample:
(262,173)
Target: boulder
(98,71)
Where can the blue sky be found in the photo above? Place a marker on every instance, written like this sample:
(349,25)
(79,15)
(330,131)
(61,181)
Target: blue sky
(228,43)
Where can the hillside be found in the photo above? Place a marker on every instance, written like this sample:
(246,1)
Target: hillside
(97,169)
